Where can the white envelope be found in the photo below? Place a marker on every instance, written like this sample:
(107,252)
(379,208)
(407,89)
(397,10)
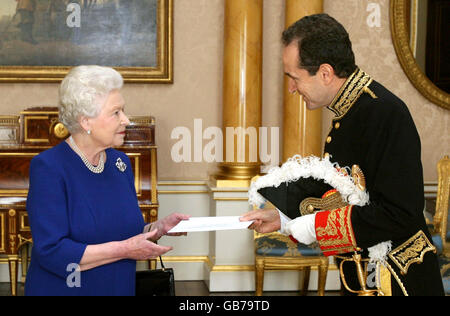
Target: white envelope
(205,224)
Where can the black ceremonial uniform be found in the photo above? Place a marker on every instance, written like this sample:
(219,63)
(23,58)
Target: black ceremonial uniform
(374,129)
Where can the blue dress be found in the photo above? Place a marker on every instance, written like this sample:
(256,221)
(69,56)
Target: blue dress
(69,208)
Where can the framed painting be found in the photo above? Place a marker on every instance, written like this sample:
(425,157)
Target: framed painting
(40,40)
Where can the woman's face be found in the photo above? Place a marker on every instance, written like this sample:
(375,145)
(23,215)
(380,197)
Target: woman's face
(108,128)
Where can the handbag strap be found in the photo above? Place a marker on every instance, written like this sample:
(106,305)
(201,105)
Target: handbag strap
(162,264)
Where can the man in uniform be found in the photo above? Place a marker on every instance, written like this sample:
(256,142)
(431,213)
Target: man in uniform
(25,9)
(373,129)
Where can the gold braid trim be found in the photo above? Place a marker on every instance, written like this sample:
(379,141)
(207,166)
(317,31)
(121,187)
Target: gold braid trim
(350,92)
(330,202)
(370,92)
(399,282)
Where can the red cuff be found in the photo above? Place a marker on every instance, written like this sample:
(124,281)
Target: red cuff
(334,231)
(293,239)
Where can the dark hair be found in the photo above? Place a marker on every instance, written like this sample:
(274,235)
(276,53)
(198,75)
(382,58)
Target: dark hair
(322,40)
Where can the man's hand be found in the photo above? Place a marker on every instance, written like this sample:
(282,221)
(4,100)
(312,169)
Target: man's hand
(265,221)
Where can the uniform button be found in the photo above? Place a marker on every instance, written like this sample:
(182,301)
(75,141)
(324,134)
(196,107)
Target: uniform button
(329,139)
(337,125)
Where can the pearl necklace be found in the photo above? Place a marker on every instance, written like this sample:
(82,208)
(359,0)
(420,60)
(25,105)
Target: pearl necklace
(101,163)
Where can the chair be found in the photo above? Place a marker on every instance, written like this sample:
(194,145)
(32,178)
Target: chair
(275,251)
(440,233)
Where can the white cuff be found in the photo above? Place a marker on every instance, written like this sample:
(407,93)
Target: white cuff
(147,228)
(303,229)
(283,220)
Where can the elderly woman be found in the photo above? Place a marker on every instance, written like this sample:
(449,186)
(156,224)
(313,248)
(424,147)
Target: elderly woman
(82,204)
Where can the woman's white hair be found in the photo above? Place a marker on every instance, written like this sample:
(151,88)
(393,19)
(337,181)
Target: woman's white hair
(82,91)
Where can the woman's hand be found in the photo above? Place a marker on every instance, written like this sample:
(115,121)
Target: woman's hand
(141,248)
(167,223)
(265,221)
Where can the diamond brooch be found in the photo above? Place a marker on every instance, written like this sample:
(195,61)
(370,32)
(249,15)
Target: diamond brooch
(121,165)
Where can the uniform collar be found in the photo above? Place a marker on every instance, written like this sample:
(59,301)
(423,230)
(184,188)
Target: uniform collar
(350,92)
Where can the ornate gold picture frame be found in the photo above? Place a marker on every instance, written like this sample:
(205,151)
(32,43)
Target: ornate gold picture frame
(400,38)
(40,40)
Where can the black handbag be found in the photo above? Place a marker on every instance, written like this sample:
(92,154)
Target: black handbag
(159,282)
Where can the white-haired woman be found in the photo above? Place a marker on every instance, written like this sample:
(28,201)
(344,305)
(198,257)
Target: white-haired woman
(82,207)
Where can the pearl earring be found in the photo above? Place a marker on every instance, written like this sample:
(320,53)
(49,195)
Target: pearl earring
(89,132)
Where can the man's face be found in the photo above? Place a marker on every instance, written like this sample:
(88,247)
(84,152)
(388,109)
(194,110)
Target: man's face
(310,87)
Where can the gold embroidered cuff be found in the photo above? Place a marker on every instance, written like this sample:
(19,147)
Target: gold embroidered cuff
(334,231)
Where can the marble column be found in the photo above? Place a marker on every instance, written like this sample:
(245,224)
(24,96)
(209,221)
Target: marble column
(302,129)
(242,92)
